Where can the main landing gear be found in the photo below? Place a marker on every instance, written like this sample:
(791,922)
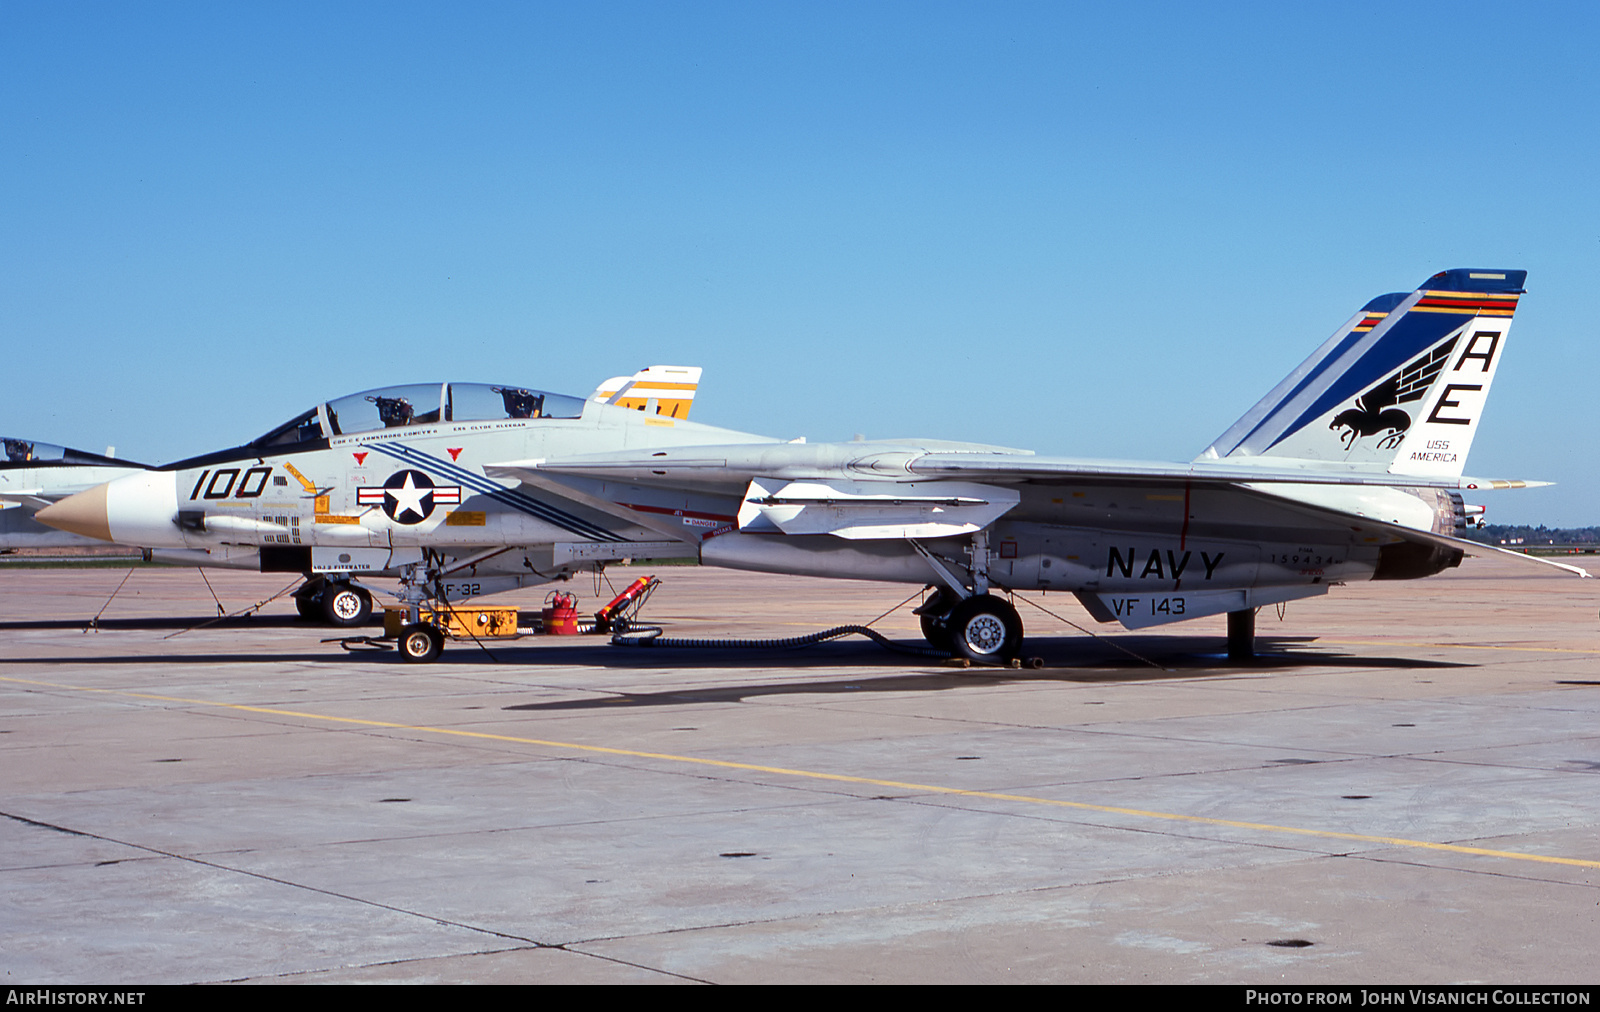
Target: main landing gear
(985,628)
(963,617)
(981,628)
(335,602)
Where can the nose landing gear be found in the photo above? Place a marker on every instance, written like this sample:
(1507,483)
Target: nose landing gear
(421,643)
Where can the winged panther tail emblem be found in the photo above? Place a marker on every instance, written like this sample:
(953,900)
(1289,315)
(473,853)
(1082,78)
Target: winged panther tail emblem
(1376,413)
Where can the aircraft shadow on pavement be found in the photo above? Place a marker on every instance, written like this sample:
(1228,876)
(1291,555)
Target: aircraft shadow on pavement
(255,621)
(1149,653)
(1065,658)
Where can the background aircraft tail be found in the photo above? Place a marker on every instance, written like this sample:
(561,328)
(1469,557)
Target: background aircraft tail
(657,389)
(1399,388)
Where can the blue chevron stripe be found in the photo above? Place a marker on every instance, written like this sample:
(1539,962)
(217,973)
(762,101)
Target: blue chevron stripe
(507,497)
(504,496)
(499,493)
(1311,377)
(1408,337)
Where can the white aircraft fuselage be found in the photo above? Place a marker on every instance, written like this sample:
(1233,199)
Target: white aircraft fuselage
(1349,471)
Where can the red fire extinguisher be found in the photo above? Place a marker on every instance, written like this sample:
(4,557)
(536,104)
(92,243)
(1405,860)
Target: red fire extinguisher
(561,614)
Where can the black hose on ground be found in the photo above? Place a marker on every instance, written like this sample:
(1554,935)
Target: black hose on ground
(650,636)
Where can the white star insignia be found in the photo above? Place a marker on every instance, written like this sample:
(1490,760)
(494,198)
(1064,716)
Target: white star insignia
(408,499)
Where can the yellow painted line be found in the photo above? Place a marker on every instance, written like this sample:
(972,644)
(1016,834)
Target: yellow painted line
(1463,646)
(1083,806)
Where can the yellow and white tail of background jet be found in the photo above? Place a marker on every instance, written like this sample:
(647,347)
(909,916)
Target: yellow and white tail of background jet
(658,389)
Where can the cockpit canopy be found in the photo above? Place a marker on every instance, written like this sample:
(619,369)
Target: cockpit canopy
(396,407)
(32,453)
(419,404)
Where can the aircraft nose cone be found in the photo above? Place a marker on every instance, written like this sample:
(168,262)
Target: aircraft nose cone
(84,513)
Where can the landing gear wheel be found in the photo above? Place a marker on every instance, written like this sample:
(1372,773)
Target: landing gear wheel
(308,599)
(420,644)
(986,629)
(345,605)
(934,616)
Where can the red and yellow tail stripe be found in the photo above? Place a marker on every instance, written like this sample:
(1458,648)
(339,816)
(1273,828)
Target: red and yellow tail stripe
(1368,321)
(1467,303)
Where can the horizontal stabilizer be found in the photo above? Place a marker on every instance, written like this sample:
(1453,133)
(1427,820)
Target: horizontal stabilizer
(1478,547)
(1402,532)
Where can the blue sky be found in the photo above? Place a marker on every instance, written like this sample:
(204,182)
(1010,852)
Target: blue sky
(1098,230)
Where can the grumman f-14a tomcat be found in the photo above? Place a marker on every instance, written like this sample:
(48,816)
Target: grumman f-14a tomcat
(1350,469)
(34,475)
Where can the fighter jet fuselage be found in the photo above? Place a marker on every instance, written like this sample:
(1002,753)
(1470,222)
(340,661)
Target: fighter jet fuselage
(487,487)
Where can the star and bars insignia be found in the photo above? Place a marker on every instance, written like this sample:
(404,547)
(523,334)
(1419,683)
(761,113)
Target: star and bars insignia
(408,497)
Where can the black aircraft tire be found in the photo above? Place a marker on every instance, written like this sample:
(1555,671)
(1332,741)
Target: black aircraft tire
(420,644)
(344,605)
(937,632)
(308,598)
(935,618)
(985,629)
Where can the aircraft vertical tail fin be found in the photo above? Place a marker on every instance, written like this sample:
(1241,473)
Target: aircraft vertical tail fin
(1307,373)
(1399,388)
(658,389)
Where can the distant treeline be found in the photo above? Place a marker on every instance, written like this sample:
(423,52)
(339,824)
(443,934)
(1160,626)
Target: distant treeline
(1494,534)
